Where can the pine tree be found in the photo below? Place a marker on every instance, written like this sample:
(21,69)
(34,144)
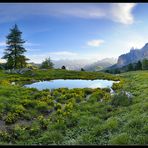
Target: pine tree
(145,64)
(15,50)
(138,65)
(130,67)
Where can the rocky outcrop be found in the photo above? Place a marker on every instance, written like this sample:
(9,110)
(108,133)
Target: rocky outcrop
(133,56)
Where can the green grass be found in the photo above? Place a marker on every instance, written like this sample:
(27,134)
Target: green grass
(73,116)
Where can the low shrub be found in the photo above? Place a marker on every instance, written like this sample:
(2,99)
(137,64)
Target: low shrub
(120,99)
(41,106)
(111,124)
(20,132)
(28,103)
(51,137)
(18,109)
(78,98)
(88,91)
(58,106)
(96,96)
(34,129)
(4,82)
(118,86)
(11,118)
(122,138)
(4,136)
(43,122)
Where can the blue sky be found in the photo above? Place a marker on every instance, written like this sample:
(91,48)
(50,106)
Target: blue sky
(90,31)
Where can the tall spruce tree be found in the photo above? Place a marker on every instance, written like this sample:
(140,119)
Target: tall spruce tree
(145,64)
(130,67)
(138,66)
(15,50)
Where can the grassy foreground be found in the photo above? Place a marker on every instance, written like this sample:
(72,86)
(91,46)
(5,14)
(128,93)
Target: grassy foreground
(73,116)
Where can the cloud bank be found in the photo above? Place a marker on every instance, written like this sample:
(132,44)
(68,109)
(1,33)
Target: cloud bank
(116,12)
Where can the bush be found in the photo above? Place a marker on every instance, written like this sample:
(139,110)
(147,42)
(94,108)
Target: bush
(43,122)
(28,103)
(72,120)
(88,91)
(58,106)
(117,86)
(68,107)
(18,109)
(4,82)
(111,123)
(86,139)
(11,118)
(122,138)
(42,106)
(120,99)
(96,96)
(78,98)
(4,136)
(51,137)
(135,124)
(34,129)
(20,132)
(106,89)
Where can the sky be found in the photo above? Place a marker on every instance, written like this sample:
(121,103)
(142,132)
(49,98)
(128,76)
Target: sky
(89,31)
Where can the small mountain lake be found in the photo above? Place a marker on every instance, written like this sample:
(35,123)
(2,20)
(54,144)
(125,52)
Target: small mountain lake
(71,83)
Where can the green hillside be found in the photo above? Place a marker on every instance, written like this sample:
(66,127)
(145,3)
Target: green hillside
(73,116)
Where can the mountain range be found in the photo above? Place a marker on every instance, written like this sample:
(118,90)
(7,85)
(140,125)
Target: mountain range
(71,64)
(133,56)
(101,64)
(107,63)
(85,64)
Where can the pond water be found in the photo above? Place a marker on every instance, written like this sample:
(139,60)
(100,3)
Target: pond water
(74,83)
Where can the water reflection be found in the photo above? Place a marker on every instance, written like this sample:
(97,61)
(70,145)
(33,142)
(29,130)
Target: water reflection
(61,83)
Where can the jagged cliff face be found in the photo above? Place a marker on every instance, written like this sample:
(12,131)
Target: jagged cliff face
(133,56)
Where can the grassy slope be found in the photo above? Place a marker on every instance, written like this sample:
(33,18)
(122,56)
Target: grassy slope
(25,118)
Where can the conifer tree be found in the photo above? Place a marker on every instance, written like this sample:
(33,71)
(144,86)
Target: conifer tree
(145,64)
(15,50)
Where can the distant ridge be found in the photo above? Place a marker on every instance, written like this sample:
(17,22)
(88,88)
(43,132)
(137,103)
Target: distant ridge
(133,56)
(101,64)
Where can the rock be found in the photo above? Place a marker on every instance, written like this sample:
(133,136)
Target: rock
(133,56)
(22,71)
(13,83)
(18,71)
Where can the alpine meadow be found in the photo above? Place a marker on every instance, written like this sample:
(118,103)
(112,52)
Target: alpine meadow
(73,74)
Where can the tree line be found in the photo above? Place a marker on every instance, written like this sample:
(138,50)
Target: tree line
(140,65)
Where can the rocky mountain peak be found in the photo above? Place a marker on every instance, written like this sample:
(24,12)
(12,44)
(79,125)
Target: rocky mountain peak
(133,56)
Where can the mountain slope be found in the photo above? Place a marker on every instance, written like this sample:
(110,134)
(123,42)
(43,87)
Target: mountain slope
(101,64)
(133,56)
(71,64)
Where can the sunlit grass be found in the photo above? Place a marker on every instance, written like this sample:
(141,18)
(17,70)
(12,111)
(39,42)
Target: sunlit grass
(73,116)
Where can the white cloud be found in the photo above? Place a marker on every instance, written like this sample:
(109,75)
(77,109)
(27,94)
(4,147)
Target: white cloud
(117,12)
(122,12)
(95,43)
(38,58)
